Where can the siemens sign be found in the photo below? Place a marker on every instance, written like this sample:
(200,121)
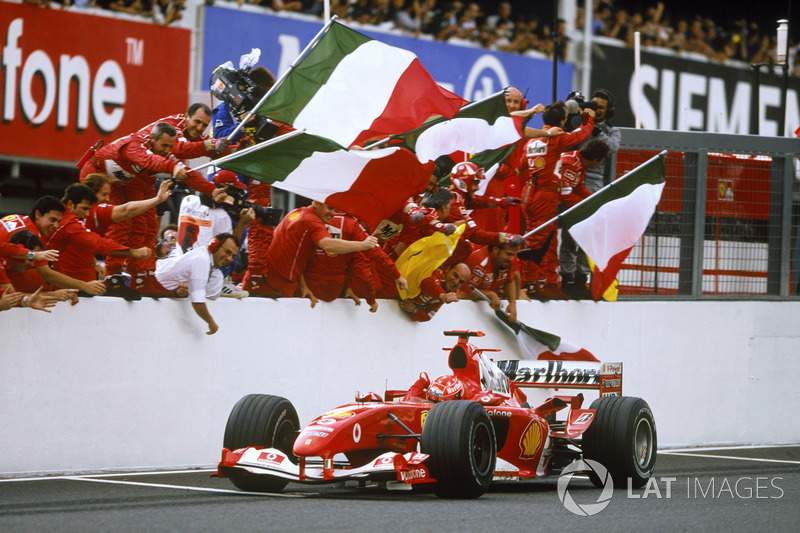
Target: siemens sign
(472,73)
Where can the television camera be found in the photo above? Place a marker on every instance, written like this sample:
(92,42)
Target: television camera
(241,94)
(237,200)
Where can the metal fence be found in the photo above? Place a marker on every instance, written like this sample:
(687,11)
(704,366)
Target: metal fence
(727,223)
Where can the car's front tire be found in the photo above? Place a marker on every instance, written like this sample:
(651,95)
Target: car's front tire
(459,437)
(622,437)
(261,420)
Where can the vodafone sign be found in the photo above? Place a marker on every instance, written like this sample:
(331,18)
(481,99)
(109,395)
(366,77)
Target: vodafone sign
(68,79)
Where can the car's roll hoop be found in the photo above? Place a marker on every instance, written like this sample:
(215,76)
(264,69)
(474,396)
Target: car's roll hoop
(463,334)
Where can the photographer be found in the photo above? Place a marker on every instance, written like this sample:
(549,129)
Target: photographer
(229,86)
(201,218)
(574,267)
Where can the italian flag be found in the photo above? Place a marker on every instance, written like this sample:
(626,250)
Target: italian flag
(367,184)
(350,88)
(479,126)
(608,223)
(537,344)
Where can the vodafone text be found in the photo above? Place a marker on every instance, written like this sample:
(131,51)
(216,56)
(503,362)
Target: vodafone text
(105,96)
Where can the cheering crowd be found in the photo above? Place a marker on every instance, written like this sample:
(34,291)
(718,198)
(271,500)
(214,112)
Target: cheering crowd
(501,26)
(105,237)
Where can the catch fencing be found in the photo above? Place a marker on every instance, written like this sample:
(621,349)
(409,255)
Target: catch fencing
(727,223)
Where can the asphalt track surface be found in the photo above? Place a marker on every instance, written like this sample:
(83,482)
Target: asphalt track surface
(731,489)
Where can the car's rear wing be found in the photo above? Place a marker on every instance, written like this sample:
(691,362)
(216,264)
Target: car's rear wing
(604,377)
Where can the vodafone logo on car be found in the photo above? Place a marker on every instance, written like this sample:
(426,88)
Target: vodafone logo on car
(270,458)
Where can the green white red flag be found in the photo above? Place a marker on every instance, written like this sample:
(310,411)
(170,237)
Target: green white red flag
(477,127)
(350,88)
(608,223)
(537,344)
(367,184)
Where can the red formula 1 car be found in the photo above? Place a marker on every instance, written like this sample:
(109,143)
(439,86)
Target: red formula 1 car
(458,433)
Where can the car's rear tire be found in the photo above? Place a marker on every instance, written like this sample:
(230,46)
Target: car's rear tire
(622,437)
(261,420)
(459,437)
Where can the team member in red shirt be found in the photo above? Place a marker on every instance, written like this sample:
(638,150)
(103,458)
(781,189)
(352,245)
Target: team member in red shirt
(541,194)
(451,210)
(328,276)
(296,238)
(44,218)
(193,141)
(493,271)
(135,161)
(437,289)
(77,244)
(15,265)
(103,214)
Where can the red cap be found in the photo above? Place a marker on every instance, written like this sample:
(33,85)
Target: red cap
(226,177)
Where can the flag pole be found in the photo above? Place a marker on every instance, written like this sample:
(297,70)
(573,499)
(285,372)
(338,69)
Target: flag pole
(436,120)
(283,76)
(613,183)
(249,149)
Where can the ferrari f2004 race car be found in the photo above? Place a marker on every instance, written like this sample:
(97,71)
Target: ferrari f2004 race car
(458,433)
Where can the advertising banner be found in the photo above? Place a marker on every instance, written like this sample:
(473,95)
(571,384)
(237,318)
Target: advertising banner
(472,73)
(685,94)
(69,79)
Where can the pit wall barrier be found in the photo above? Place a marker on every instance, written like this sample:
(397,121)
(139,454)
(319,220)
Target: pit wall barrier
(109,385)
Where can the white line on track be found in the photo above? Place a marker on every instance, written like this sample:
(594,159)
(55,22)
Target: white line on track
(108,474)
(710,456)
(182,487)
(739,447)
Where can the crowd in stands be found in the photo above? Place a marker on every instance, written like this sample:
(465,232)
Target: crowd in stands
(163,12)
(498,26)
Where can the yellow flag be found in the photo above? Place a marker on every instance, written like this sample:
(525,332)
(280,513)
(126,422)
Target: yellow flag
(419,260)
(612,291)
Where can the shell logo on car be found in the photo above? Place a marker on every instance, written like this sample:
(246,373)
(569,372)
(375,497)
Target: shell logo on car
(531,439)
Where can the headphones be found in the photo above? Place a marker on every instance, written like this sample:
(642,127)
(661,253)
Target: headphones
(213,245)
(605,95)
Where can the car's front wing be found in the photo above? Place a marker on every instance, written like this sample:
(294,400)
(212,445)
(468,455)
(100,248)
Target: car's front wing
(391,466)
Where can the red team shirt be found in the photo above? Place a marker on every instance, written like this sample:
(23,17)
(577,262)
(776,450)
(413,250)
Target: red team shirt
(28,280)
(294,241)
(573,174)
(483,276)
(78,246)
(428,301)
(543,154)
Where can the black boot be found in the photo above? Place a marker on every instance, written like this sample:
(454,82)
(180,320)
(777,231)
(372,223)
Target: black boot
(580,291)
(568,285)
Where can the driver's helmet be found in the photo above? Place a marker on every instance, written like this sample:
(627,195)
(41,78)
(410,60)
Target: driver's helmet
(465,174)
(445,387)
